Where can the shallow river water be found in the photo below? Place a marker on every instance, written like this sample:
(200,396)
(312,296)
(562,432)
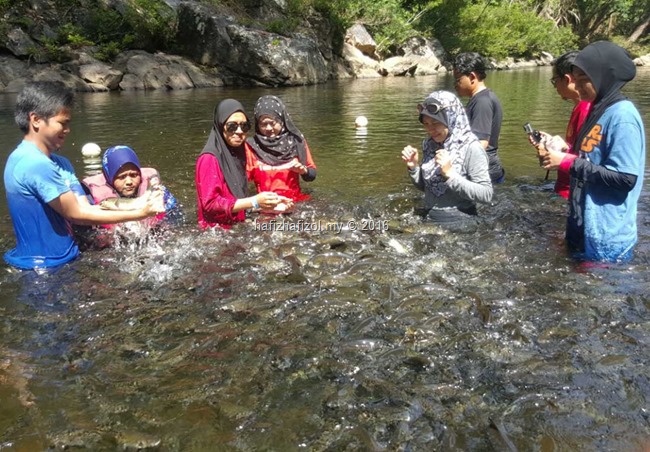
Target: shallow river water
(370,331)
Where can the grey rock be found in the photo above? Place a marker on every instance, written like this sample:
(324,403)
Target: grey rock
(642,60)
(361,65)
(214,39)
(398,66)
(101,74)
(358,36)
(19,43)
(12,69)
(53,73)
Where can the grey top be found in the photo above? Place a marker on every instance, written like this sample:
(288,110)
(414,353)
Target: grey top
(463,192)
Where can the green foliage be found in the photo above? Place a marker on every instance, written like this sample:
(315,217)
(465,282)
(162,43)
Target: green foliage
(635,49)
(386,20)
(108,51)
(144,24)
(283,27)
(495,30)
(49,51)
(152,22)
(73,35)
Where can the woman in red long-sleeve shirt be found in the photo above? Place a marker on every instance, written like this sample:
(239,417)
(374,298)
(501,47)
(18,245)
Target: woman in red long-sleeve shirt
(221,182)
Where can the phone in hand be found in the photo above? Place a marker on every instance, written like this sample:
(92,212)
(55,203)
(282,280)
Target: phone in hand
(537,137)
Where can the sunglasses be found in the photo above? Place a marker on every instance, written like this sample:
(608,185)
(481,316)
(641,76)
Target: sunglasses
(231,127)
(555,79)
(433,109)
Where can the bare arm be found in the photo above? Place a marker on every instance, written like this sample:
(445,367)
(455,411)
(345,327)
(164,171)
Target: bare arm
(69,206)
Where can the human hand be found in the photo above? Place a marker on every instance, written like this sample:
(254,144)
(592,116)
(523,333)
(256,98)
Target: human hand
(443,160)
(410,156)
(154,202)
(284,205)
(267,200)
(154,181)
(552,160)
(555,143)
(297,167)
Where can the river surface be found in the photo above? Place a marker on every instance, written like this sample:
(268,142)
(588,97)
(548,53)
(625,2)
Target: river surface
(388,334)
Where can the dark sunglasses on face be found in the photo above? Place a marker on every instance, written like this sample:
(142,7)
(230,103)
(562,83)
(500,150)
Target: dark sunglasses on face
(231,127)
(555,79)
(434,109)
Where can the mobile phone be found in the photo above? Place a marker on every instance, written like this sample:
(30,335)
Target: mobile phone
(537,137)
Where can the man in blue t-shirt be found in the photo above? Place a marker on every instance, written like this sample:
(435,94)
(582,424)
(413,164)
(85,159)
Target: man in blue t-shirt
(43,193)
(607,178)
(483,109)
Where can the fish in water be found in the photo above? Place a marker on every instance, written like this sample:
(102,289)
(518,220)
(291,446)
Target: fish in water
(118,203)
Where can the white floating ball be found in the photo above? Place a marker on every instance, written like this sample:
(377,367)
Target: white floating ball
(91,150)
(361,121)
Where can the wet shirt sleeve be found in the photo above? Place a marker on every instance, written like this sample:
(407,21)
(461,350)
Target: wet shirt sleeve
(214,198)
(311,166)
(476,185)
(67,172)
(48,181)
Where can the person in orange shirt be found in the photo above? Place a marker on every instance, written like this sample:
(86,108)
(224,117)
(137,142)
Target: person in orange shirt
(278,154)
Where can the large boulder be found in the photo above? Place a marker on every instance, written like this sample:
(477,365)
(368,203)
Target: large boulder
(427,55)
(215,39)
(20,44)
(55,73)
(357,36)
(98,73)
(11,69)
(643,60)
(143,70)
(398,66)
(361,66)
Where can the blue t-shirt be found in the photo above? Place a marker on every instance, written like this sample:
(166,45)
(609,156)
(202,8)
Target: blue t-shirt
(32,180)
(610,229)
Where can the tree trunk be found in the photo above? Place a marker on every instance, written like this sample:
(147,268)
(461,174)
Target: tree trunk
(638,32)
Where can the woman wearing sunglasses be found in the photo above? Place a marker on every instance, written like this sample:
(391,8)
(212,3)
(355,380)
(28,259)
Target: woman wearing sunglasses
(454,170)
(278,155)
(221,181)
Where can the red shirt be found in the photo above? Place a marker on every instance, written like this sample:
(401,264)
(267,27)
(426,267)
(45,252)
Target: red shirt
(215,201)
(578,116)
(279,178)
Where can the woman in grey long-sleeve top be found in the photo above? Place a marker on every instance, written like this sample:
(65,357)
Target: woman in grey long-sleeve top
(454,170)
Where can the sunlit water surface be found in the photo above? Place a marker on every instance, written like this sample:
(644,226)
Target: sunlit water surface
(395,335)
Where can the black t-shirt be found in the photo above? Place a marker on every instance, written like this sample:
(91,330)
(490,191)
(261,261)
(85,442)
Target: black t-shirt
(485,116)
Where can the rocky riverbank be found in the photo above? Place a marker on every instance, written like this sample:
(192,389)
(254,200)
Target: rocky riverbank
(214,49)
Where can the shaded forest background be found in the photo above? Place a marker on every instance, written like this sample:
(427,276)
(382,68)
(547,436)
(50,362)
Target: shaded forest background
(495,28)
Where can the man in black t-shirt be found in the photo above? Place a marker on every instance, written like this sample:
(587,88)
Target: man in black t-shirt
(483,109)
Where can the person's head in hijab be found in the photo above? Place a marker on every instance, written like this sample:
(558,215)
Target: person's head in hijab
(443,116)
(121,168)
(226,143)
(601,69)
(277,139)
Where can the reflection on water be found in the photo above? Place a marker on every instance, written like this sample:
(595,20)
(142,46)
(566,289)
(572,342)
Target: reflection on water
(410,338)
